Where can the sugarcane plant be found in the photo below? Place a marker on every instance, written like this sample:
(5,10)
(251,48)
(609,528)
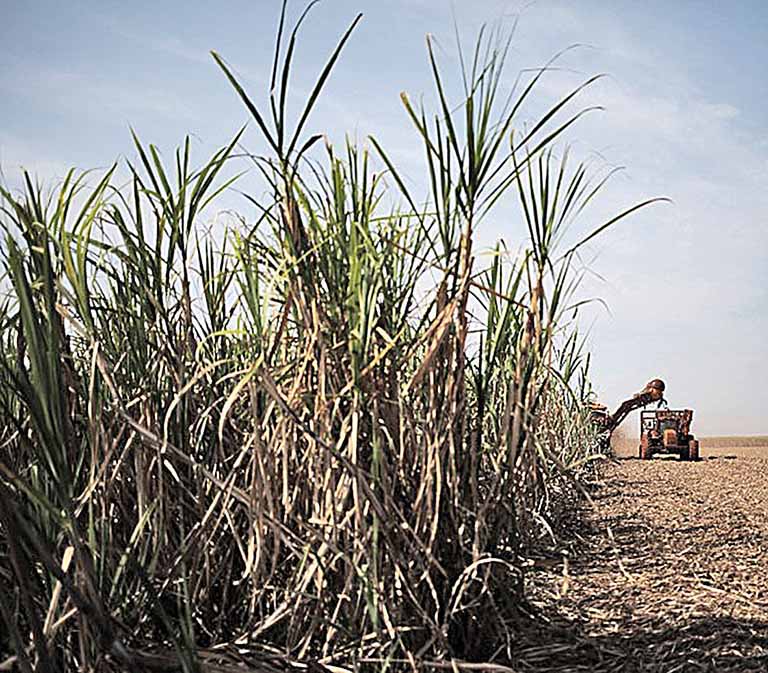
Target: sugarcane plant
(327,433)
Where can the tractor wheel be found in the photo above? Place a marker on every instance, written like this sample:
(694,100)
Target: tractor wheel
(645,449)
(693,449)
(685,453)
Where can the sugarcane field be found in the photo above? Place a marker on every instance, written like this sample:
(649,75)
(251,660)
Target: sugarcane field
(353,336)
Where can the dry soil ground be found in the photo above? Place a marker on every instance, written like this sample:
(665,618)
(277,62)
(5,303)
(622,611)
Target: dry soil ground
(669,572)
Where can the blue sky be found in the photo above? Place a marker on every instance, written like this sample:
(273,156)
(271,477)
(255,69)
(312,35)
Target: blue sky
(686,112)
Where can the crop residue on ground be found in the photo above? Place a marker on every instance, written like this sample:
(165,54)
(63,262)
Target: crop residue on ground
(668,575)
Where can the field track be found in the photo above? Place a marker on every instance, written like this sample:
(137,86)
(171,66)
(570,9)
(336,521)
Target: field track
(669,572)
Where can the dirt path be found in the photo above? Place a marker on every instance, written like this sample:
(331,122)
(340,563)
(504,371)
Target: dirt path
(669,574)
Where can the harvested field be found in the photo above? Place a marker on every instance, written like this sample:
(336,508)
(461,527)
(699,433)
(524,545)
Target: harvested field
(668,573)
(746,447)
(752,446)
(751,441)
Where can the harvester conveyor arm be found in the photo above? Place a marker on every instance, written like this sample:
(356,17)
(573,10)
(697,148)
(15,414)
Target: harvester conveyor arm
(653,392)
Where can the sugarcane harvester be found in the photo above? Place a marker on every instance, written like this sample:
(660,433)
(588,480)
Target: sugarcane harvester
(662,430)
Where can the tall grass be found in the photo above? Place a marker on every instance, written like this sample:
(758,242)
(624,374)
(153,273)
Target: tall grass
(327,434)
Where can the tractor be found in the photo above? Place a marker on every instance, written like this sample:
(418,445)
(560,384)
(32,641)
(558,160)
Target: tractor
(667,431)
